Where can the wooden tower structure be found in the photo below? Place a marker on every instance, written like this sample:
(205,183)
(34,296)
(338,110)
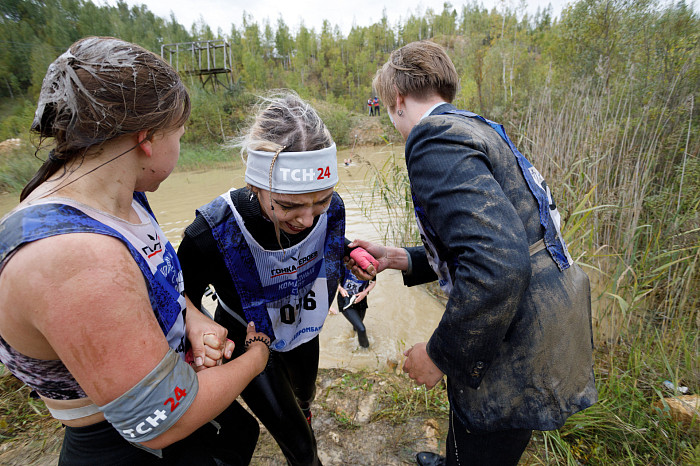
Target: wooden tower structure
(208,59)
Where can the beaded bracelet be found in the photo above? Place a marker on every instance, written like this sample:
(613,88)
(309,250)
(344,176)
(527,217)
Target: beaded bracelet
(257,338)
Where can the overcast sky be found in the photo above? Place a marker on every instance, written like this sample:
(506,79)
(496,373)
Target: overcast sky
(344,13)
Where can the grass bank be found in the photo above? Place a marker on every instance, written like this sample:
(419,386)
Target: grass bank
(207,155)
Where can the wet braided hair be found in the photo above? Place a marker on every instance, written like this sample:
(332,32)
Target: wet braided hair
(99,89)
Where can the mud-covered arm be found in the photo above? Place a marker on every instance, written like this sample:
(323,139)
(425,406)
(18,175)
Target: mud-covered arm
(111,351)
(451,178)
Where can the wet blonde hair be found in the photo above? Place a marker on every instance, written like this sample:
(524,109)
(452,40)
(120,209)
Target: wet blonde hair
(284,122)
(417,69)
(283,119)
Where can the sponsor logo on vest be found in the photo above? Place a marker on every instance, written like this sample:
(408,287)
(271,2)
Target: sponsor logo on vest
(280,344)
(169,271)
(283,271)
(292,269)
(151,251)
(287,284)
(307,259)
(306,330)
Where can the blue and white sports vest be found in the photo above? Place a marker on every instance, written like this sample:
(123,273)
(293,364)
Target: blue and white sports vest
(352,284)
(287,292)
(146,242)
(548,213)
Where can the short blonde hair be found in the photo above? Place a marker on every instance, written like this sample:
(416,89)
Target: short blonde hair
(417,69)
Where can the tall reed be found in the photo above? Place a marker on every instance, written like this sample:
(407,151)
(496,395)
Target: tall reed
(626,173)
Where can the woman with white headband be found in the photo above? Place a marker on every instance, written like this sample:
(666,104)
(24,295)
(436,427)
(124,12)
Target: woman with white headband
(273,251)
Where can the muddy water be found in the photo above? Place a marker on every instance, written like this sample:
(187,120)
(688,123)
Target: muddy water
(397,316)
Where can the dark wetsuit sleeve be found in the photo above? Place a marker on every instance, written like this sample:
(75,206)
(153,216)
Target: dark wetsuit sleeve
(451,178)
(421,272)
(202,265)
(195,278)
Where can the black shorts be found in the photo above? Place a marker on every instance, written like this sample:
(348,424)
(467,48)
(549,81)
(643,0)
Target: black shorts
(231,442)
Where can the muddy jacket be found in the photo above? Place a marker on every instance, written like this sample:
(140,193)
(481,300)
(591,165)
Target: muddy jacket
(515,340)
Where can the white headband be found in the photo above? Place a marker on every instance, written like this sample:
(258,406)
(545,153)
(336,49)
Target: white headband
(294,172)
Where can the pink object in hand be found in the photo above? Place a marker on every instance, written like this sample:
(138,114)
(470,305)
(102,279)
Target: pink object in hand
(362,258)
(189,356)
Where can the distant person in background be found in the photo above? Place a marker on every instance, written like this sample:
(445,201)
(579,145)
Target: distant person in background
(352,303)
(515,340)
(370,106)
(376,105)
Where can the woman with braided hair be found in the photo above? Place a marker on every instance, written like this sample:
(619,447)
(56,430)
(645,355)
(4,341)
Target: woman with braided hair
(92,311)
(273,251)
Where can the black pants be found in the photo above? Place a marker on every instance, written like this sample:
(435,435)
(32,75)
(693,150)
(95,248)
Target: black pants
(355,313)
(501,448)
(278,395)
(231,443)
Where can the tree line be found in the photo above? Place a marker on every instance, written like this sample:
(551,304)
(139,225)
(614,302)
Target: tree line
(503,55)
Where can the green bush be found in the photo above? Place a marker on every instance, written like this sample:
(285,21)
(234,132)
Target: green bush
(338,120)
(17,166)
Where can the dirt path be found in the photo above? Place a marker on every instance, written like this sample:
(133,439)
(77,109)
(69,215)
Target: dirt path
(361,418)
(356,422)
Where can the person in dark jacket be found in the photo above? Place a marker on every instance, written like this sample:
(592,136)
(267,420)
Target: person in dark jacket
(515,341)
(375,101)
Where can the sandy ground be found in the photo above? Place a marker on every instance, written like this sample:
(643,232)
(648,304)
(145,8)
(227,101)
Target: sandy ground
(350,426)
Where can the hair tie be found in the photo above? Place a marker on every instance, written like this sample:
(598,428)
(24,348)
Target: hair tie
(251,340)
(53,158)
